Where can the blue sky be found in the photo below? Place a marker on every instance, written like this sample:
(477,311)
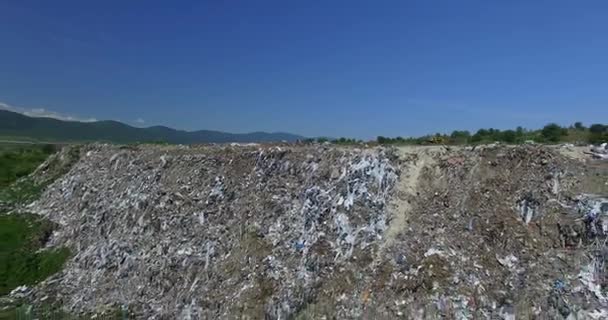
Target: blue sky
(336,68)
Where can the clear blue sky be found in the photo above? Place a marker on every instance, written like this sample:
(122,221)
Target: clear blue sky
(336,68)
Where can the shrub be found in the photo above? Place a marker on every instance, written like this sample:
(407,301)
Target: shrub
(553,132)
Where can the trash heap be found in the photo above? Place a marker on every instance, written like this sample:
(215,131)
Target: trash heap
(600,151)
(213,232)
(326,232)
(499,233)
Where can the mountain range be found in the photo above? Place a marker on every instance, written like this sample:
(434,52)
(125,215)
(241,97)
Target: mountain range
(16,126)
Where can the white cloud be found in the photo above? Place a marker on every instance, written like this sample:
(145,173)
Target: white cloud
(43,113)
(140,121)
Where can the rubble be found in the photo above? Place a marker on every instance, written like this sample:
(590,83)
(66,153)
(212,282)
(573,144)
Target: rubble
(599,152)
(594,209)
(20,292)
(320,231)
(527,208)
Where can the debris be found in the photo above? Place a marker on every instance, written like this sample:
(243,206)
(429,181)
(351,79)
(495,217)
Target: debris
(600,151)
(508,261)
(20,292)
(433,251)
(302,231)
(589,278)
(598,314)
(158,227)
(559,285)
(527,207)
(594,209)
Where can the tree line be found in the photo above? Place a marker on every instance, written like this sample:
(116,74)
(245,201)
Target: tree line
(551,133)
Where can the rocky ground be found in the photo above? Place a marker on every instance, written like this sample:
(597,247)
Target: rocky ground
(324,232)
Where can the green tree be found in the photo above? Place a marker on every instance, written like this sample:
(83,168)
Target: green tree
(460,137)
(509,136)
(553,132)
(598,133)
(480,135)
(579,126)
(598,128)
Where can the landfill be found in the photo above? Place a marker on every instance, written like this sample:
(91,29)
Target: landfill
(329,232)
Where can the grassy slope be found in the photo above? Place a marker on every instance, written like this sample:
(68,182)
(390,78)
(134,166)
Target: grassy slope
(23,235)
(21,262)
(19,161)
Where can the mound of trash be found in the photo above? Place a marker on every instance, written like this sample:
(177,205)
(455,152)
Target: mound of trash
(216,231)
(322,232)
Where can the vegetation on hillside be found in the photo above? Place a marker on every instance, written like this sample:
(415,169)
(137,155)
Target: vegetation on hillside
(21,262)
(18,127)
(17,161)
(551,133)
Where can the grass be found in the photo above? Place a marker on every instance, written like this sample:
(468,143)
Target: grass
(18,188)
(19,161)
(21,192)
(21,260)
(18,138)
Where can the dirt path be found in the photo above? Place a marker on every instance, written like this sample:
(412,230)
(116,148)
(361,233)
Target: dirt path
(406,189)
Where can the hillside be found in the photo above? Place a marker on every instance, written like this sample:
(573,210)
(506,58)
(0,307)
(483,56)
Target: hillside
(16,125)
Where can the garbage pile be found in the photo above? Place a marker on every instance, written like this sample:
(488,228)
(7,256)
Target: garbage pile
(325,232)
(499,234)
(600,152)
(213,232)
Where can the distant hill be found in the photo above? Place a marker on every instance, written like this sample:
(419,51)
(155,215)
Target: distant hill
(14,125)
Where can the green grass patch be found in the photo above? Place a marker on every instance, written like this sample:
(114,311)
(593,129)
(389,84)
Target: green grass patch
(19,161)
(20,189)
(21,192)
(22,262)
